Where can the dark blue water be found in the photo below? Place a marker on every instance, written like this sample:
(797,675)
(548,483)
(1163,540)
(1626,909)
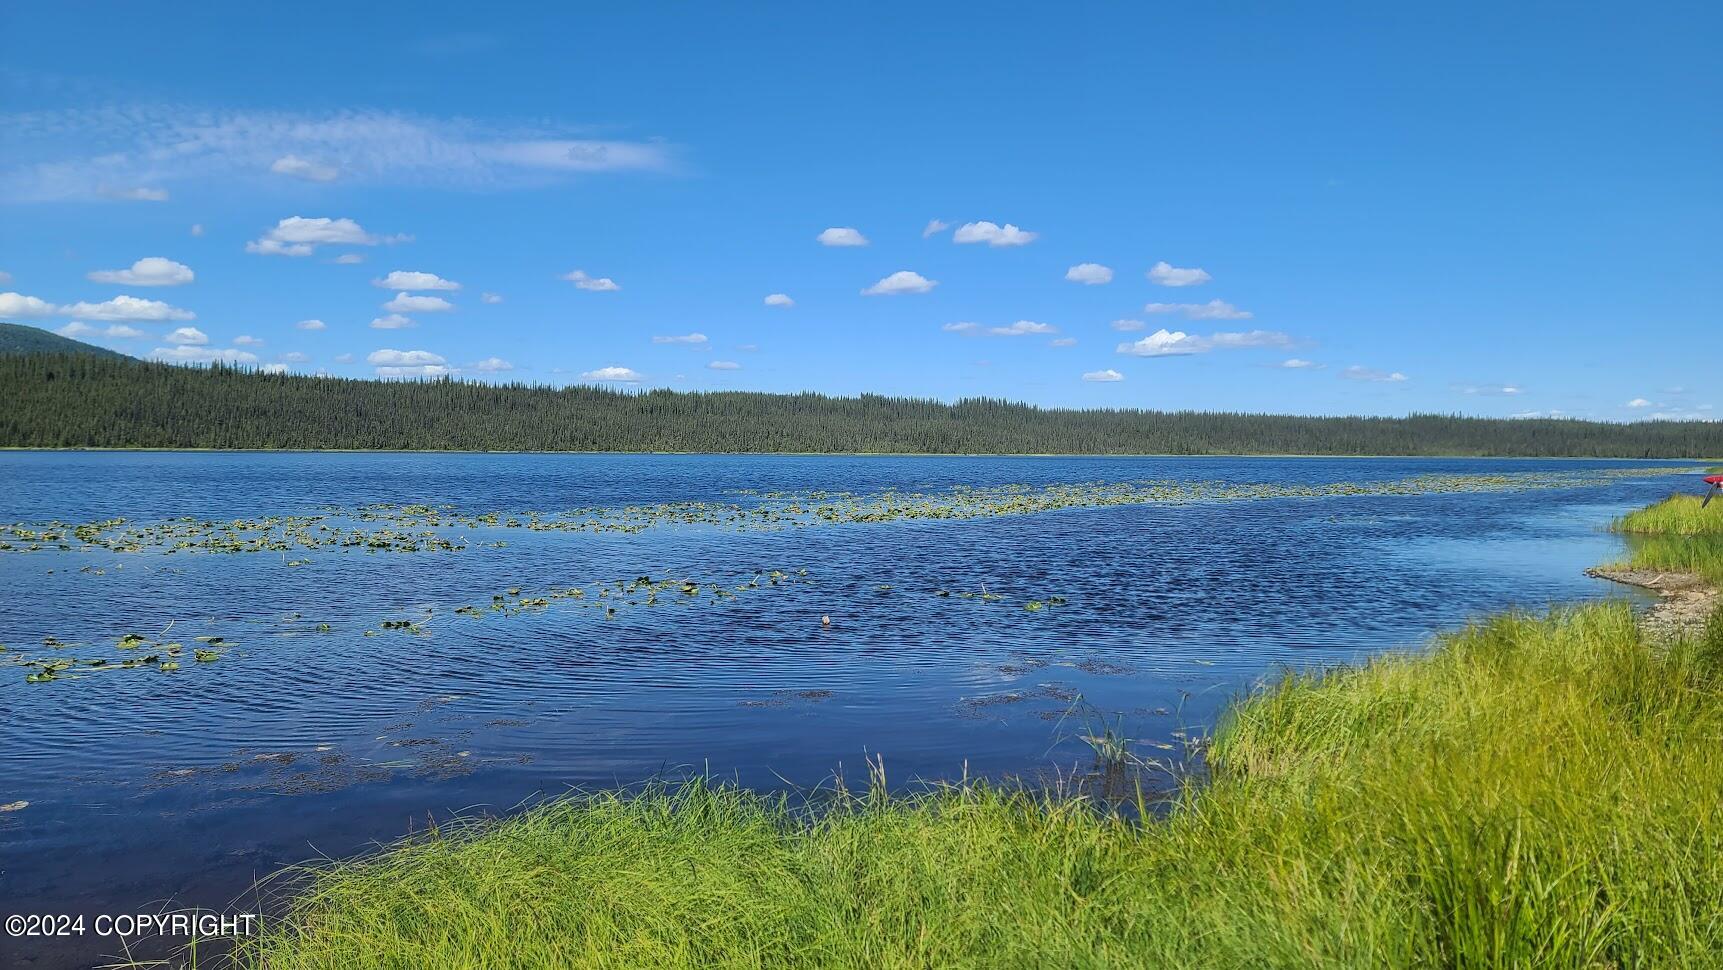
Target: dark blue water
(148,789)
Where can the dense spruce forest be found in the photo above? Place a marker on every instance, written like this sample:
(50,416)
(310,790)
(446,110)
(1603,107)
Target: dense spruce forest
(76,400)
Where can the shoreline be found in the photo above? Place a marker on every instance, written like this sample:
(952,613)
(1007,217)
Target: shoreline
(1684,600)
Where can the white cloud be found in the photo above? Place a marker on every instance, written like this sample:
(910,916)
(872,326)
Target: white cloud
(197,229)
(275,368)
(14,305)
(416,370)
(123,308)
(304,168)
(188,335)
(1358,373)
(408,303)
(402,358)
(83,153)
(962,326)
(1169,343)
(393,321)
(1250,338)
(189,354)
(1089,274)
(141,193)
(600,284)
(1167,274)
(343,358)
(1639,402)
(300,236)
(934,227)
(1490,390)
(294,357)
(902,281)
(1298,363)
(1022,327)
(841,236)
(244,340)
(1104,375)
(780,299)
(349,259)
(120,331)
(1063,342)
(621,375)
(410,280)
(694,339)
(724,365)
(992,235)
(491,297)
(149,271)
(1127,325)
(1212,310)
(77,328)
(1164,343)
(311,325)
(493,365)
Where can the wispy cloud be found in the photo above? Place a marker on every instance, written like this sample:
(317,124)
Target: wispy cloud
(1360,373)
(780,300)
(724,365)
(134,153)
(1021,328)
(1212,310)
(690,339)
(593,284)
(1103,376)
(1166,274)
(934,227)
(410,303)
(124,308)
(1490,390)
(1174,343)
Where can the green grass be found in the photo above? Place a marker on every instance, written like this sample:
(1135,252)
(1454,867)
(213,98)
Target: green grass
(1536,791)
(1675,515)
(1676,535)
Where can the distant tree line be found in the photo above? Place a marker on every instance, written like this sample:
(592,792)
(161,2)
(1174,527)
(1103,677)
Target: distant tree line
(60,400)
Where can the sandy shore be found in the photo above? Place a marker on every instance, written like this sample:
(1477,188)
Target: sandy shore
(1684,600)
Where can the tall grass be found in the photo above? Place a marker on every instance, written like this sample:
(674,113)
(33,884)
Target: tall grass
(1676,535)
(1534,792)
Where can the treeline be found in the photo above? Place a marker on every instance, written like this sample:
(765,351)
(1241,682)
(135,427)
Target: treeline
(86,401)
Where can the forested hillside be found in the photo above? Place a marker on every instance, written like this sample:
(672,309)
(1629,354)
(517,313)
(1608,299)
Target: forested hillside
(18,339)
(84,401)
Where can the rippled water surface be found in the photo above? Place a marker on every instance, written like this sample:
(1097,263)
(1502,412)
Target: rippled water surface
(300,741)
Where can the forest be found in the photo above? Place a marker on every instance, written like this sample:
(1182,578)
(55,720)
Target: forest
(78,400)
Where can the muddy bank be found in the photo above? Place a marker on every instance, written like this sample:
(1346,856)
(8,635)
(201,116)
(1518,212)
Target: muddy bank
(1684,602)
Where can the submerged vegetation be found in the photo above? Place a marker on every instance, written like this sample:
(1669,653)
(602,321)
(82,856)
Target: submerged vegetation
(81,400)
(1535,791)
(422,528)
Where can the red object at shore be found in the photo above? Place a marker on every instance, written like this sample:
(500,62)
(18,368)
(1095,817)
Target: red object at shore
(1716,480)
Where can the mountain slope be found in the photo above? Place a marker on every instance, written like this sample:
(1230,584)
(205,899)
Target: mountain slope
(15,338)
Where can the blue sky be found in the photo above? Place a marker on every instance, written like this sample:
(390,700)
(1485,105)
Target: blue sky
(1479,208)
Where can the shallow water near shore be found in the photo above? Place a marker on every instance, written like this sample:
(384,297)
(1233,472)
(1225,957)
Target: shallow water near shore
(304,736)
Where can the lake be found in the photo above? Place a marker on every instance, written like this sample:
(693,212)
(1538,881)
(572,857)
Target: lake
(313,730)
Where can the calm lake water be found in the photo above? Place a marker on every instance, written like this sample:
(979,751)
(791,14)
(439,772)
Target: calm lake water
(149,789)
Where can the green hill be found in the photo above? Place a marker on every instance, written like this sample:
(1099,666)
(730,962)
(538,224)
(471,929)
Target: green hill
(83,400)
(15,338)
